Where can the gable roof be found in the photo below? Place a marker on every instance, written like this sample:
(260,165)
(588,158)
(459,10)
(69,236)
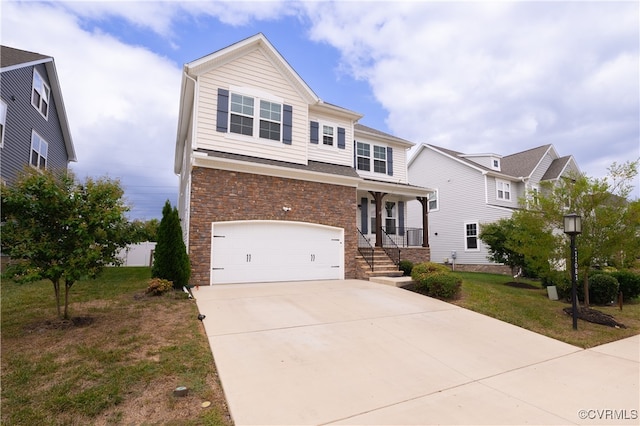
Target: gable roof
(11,59)
(525,162)
(557,168)
(370,131)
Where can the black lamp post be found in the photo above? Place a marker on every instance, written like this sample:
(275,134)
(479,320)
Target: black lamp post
(573,227)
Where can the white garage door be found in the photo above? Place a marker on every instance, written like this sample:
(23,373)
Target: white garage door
(267,251)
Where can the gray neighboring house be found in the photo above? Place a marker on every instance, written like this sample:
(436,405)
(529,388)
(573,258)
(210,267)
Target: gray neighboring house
(33,122)
(472,189)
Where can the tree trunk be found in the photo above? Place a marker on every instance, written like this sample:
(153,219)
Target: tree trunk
(586,289)
(67,286)
(56,289)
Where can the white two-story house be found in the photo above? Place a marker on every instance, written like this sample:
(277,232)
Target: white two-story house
(472,189)
(275,183)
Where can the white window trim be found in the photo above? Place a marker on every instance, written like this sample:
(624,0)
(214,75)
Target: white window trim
(503,182)
(321,125)
(47,88)
(46,166)
(436,198)
(257,96)
(3,121)
(477,238)
(372,159)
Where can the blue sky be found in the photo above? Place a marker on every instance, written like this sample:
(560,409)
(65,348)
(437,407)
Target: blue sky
(476,77)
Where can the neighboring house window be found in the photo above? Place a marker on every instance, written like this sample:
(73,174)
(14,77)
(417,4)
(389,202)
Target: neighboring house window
(327,135)
(471,236)
(270,120)
(433,201)
(503,190)
(496,164)
(39,151)
(535,192)
(364,156)
(40,94)
(379,159)
(3,120)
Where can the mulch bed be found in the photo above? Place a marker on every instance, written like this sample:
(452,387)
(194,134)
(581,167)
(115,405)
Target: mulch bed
(522,285)
(597,317)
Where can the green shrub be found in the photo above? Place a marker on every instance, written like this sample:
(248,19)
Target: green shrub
(406,266)
(171,261)
(422,270)
(603,289)
(443,285)
(563,286)
(158,286)
(629,283)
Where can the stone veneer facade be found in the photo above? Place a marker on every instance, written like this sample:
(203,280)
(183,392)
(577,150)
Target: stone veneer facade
(220,195)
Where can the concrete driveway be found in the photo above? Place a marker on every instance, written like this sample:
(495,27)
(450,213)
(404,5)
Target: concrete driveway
(355,352)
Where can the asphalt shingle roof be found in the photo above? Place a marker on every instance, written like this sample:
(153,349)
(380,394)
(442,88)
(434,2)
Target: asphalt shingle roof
(555,169)
(10,56)
(523,163)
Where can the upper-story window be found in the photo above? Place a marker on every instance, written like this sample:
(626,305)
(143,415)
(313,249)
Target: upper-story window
(3,120)
(39,151)
(378,161)
(270,120)
(243,117)
(503,190)
(40,94)
(363,156)
(327,135)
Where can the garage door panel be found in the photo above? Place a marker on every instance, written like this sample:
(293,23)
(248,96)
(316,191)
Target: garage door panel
(263,251)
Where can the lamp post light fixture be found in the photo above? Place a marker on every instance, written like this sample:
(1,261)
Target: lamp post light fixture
(573,227)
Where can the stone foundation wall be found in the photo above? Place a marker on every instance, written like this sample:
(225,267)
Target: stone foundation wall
(415,254)
(219,195)
(492,269)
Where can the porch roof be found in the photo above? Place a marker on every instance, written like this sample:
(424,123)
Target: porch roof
(393,188)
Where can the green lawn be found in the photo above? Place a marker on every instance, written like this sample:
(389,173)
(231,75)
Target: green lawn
(120,367)
(531,309)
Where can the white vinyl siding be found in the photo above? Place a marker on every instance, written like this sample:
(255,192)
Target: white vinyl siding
(255,72)
(461,200)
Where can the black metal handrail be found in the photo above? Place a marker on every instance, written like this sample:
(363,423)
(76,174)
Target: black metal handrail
(390,247)
(411,237)
(365,248)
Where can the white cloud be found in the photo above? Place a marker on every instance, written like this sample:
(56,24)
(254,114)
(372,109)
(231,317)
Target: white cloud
(499,76)
(121,100)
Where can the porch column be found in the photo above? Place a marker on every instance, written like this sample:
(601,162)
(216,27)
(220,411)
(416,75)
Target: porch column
(377,197)
(424,201)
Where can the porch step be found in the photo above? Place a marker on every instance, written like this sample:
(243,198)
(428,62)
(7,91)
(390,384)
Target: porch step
(382,266)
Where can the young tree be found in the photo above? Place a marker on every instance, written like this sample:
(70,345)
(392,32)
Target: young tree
(171,261)
(58,229)
(499,236)
(610,222)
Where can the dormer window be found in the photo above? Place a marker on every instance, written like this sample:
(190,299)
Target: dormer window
(40,94)
(495,163)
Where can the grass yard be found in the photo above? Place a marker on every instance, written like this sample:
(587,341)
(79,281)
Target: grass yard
(531,309)
(118,362)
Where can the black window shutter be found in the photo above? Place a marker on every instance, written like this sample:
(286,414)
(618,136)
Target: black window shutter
(223,110)
(287,124)
(314,132)
(401,218)
(364,210)
(390,161)
(355,154)
(341,142)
